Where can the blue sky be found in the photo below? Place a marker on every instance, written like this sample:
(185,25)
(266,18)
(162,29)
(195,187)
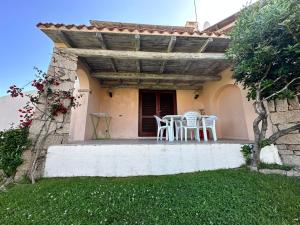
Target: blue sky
(23,46)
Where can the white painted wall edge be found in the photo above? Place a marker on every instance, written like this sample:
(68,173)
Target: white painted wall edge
(139,160)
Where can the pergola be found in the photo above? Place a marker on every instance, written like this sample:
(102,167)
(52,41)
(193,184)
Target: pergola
(144,56)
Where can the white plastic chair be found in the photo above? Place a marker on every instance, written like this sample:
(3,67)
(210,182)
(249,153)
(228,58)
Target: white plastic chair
(191,123)
(179,129)
(210,123)
(160,128)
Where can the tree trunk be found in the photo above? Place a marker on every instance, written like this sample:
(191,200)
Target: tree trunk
(260,125)
(256,146)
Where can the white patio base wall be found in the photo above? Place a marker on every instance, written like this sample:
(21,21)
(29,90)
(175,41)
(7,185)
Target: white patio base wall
(136,160)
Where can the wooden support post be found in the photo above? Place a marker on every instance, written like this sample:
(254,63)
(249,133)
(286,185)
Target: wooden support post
(137,46)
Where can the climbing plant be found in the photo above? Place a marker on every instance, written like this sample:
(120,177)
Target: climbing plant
(49,104)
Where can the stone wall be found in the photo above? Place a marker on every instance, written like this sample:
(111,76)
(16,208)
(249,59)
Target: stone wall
(65,66)
(283,114)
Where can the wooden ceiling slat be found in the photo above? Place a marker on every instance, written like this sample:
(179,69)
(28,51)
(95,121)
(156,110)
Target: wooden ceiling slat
(137,45)
(103,46)
(171,46)
(153,86)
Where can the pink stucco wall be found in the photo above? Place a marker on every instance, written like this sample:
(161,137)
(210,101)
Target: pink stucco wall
(228,101)
(123,109)
(222,98)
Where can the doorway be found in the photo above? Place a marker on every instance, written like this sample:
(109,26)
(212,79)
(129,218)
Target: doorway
(154,102)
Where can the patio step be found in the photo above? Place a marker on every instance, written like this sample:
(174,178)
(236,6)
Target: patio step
(121,160)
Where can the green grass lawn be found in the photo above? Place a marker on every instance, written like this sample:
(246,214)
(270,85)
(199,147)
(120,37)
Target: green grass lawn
(217,197)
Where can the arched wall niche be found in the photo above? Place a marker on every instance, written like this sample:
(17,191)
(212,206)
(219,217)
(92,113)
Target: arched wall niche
(228,105)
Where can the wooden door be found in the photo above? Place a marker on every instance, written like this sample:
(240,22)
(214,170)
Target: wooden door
(153,102)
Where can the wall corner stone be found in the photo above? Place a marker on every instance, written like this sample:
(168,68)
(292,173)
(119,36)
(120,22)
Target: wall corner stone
(285,113)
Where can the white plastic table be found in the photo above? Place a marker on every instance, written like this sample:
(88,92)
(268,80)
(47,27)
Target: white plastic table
(172,118)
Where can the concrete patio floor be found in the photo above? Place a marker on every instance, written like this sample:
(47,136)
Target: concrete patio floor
(153,141)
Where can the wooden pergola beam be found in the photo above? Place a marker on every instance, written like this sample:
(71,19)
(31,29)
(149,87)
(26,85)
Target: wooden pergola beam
(152,86)
(171,45)
(104,46)
(144,55)
(155,77)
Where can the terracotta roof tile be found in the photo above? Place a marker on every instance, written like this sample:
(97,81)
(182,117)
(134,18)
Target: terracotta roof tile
(126,27)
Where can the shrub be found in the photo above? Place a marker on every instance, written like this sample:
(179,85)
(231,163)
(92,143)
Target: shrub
(12,143)
(247,153)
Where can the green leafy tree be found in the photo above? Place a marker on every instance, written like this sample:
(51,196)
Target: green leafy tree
(265,55)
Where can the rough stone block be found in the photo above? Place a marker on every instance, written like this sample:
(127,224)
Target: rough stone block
(43,127)
(293,173)
(294,103)
(23,169)
(285,117)
(56,139)
(281,105)
(296,173)
(271,106)
(291,159)
(274,128)
(64,129)
(269,171)
(63,60)
(36,126)
(61,73)
(289,139)
(297,152)
(287,125)
(66,118)
(65,74)
(293,147)
(281,147)
(65,86)
(40,113)
(285,152)
(26,155)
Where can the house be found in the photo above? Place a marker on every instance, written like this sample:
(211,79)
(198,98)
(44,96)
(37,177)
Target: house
(126,73)
(133,71)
